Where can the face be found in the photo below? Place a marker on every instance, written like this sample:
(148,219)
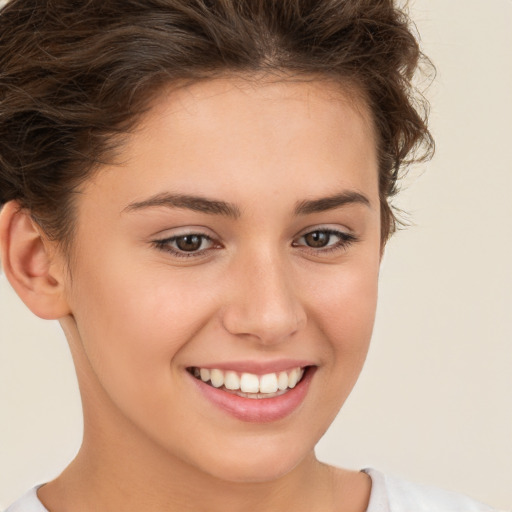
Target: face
(234,251)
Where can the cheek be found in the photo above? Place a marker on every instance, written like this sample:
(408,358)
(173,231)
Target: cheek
(344,306)
(132,324)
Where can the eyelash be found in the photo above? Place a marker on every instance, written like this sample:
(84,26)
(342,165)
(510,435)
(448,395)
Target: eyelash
(345,240)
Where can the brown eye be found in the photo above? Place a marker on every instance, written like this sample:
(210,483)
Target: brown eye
(325,241)
(189,243)
(317,239)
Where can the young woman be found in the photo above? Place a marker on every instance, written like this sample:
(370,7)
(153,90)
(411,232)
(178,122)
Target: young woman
(199,192)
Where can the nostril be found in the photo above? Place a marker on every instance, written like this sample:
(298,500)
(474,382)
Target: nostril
(265,326)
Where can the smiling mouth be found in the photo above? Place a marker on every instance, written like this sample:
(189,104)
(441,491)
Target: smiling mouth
(250,385)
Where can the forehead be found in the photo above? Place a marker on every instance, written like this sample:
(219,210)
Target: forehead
(252,132)
(268,101)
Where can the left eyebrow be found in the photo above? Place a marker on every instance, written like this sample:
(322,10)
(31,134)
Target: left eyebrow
(195,203)
(331,202)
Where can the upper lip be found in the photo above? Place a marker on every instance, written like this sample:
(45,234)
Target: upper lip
(257,367)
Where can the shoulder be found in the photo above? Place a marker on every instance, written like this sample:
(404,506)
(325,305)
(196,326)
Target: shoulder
(392,494)
(29,502)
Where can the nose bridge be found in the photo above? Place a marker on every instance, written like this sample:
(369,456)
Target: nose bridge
(265,304)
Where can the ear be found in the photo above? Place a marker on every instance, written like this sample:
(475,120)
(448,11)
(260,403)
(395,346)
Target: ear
(29,263)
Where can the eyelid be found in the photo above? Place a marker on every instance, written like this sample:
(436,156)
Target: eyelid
(183,231)
(326,227)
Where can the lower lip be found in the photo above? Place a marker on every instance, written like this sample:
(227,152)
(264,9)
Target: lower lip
(257,410)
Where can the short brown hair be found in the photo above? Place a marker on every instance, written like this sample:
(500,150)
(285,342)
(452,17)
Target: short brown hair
(73,75)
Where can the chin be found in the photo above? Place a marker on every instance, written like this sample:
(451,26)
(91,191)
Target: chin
(258,461)
(251,472)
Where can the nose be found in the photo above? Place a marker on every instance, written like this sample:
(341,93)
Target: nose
(265,305)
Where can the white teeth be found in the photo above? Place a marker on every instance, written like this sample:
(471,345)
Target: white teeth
(249,383)
(268,383)
(232,380)
(217,378)
(282,381)
(293,378)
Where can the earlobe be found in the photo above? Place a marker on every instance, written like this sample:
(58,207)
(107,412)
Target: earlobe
(29,264)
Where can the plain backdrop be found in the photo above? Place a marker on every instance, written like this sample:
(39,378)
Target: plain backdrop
(434,401)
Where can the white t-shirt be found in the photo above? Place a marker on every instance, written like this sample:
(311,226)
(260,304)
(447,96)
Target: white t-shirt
(389,494)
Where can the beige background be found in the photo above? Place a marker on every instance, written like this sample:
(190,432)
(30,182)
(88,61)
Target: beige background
(434,401)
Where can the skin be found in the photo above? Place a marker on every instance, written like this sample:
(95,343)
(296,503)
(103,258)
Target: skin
(136,315)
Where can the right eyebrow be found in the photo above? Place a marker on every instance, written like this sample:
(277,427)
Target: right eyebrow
(190,202)
(324,204)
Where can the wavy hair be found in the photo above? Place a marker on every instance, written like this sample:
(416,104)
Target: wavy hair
(75,76)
